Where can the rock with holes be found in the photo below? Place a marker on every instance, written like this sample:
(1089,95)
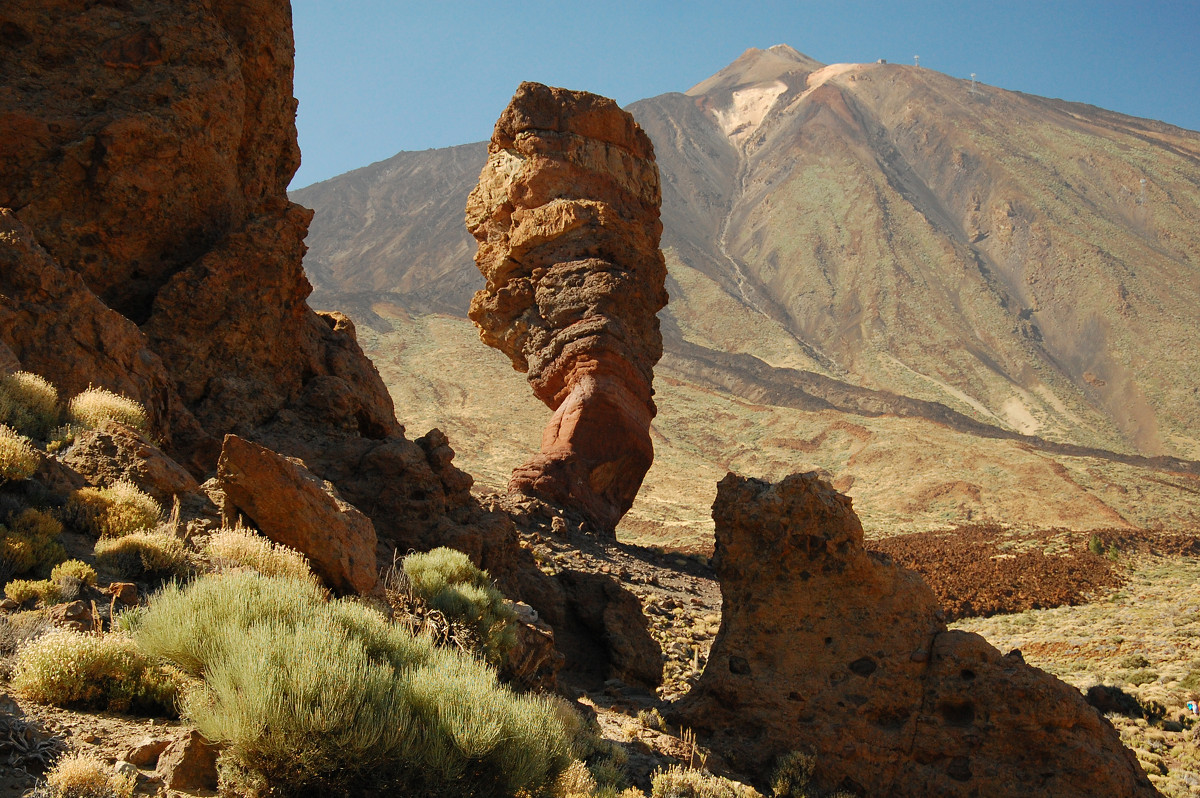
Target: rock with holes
(566,214)
(829,649)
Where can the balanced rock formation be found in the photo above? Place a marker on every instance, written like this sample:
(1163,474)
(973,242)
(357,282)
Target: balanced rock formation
(834,651)
(147,246)
(566,214)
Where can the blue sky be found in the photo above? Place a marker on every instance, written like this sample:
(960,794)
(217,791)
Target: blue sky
(378,76)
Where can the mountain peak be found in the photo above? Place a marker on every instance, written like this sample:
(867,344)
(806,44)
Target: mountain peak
(757,66)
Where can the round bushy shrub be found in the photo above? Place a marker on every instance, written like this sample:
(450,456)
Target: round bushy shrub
(311,696)
(28,403)
(96,405)
(447,581)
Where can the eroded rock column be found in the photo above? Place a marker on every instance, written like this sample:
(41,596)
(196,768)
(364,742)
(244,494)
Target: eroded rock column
(566,214)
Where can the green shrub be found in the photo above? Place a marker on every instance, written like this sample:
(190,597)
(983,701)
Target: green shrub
(242,548)
(22,590)
(81,775)
(447,581)
(307,695)
(69,669)
(30,543)
(1096,545)
(28,404)
(96,405)
(152,553)
(680,782)
(18,459)
(119,509)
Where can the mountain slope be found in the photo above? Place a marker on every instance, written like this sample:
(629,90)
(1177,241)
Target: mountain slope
(872,240)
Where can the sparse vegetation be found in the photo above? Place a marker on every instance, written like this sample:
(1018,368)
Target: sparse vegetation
(242,548)
(23,590)
(18,459)
(447,581)
(81,775)
(156,553)
(94,406)
(70,669)
(30,543)
(681,782)
(28,404)
(119,509)
(367,701)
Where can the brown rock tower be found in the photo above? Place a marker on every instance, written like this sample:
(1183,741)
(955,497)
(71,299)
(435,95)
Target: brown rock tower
(567,218)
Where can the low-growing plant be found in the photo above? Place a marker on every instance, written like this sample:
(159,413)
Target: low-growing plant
(63,436)
(652,719)
(69,669)
(81,775)
(71,577)
(447,581)
(28,403)
(18,459)
(242,548)
(154,554)
(680,782)
(76,570)
(792,774)
(23,590)
(119,509)
(309,695)
(96,405)
(30,543)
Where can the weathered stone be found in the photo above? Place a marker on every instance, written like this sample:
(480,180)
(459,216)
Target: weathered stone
(566,214)
(124,592)
(292,506)
(74,615)
(613,617)
(145,752)
(829,649)
(114,451)
(534,662)
(56,327)
(189,764)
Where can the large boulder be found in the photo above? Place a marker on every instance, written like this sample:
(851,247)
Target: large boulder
(292,506)
(566,214)
(114,451)
(831,650)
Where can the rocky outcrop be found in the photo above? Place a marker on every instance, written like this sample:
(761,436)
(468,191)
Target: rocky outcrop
(828,649)
(145,151)
(114,451)
(566,214)
(292,506)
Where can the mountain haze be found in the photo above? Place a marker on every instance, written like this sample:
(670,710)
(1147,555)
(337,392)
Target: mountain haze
(942,266)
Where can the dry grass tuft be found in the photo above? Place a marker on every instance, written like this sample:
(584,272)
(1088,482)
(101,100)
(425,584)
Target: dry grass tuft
(119,509)
(96,405)
(18,459)
(28,403)
(156,553)
(241,548)
(81,775)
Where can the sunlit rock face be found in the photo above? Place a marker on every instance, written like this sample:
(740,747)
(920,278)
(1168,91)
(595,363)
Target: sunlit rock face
(566,214)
